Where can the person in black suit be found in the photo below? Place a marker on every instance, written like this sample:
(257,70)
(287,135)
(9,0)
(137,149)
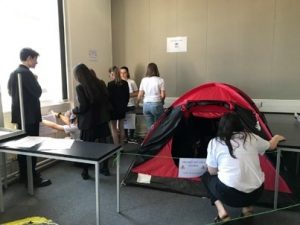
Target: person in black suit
(93,111)
(32,111)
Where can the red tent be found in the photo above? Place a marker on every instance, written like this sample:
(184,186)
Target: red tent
(185,129)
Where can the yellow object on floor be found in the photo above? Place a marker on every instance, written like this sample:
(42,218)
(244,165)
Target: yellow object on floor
(36,220)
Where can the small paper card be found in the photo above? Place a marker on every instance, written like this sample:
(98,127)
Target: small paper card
(144,178)
(191,167)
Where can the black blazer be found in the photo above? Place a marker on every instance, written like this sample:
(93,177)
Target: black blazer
(91,115)
(31,94)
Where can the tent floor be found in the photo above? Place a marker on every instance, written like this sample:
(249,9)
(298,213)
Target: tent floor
(196,188)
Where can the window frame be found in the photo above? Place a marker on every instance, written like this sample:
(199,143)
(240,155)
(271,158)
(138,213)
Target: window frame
(61,25)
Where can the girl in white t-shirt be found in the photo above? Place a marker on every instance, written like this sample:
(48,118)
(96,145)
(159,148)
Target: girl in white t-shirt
(234,174)
(152,91)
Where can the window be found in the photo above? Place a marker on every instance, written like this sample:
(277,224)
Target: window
(36,24)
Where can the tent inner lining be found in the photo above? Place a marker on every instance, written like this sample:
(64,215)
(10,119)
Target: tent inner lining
(192,136)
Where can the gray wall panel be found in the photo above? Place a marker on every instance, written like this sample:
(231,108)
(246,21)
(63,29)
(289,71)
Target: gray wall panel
(252,44)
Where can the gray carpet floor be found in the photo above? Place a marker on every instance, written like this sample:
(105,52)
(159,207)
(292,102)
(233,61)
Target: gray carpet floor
(71,201)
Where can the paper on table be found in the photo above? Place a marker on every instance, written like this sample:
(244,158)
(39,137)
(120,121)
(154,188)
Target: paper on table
(26,142)
(56,144)
(4,132)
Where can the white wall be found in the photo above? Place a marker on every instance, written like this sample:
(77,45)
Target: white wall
(88,28)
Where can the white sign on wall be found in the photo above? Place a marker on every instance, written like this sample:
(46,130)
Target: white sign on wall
(176,44)
(92,54)
(191,167)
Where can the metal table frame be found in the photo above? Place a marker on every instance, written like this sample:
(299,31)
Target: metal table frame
(279,150)
(66,158)
(286,125)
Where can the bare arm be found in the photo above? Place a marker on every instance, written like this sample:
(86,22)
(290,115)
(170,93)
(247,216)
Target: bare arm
(139,97)
(134,94)
(64,118)
(275,140)
(52,125)
(212,170)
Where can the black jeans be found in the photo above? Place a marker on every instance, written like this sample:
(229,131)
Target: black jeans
(228,195)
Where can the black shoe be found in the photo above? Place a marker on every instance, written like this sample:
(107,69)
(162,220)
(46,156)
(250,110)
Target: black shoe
(42,182)
(85,174)
(105,172)
(37,182)
(247,213)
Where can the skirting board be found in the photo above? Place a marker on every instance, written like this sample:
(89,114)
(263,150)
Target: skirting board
(274,105)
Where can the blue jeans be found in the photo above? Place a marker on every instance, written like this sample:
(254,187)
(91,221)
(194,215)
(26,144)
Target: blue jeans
(152,111)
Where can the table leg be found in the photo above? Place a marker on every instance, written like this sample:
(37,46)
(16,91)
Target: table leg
(297,162)
(4,169)
(118,180)
(1,188)
(97,192)
(277,178)
(29,175)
